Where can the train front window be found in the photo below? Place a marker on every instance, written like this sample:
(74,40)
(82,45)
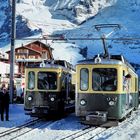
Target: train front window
(31,80)
(104,79)
(47,80)
(84,76)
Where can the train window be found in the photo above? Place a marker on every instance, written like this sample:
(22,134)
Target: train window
(84,76)
(47,80)
(31,80)
(104,79)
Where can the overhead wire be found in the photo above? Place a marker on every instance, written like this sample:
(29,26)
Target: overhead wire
(122,26)
(100,13)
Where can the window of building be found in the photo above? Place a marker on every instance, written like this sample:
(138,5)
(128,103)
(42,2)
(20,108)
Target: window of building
(32,57)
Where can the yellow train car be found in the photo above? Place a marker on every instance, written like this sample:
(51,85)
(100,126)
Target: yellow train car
(48,88)
(106,89)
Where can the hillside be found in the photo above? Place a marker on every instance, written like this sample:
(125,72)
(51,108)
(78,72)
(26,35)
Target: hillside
(76,18)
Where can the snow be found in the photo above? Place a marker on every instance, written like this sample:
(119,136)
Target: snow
(44,15)
(125,13)
(41,14)
(128,129)
(68,52)
(35,14)
(16,117)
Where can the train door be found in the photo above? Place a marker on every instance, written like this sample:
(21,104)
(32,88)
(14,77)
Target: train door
(68,86)
(126,88)
(63,86)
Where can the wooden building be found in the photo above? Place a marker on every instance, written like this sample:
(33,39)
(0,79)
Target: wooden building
(33,52)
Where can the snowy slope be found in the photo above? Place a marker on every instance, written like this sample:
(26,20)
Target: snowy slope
(42,17)
(22,28)
(125,13)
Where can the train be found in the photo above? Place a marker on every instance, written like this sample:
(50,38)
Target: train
(49,88)
(106,86)
(106,89)
(103,90)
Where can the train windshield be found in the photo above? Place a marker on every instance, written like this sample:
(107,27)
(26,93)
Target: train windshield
(47,80)
(104,79)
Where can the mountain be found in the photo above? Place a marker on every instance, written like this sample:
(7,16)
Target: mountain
(30,14)
(76,19)
(78,11)
(22,28)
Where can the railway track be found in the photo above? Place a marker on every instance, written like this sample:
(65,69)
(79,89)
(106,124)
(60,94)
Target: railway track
(84,133)
(90,133)
(16,132)
(87,133)
(18,127)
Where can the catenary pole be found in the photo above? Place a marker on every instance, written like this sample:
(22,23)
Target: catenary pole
(12,52)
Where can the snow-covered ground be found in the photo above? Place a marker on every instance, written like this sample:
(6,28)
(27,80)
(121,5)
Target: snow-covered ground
(127,130)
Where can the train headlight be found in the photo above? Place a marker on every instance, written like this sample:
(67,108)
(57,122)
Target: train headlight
(111,103)
(30,98)
(83,102)
(52,99)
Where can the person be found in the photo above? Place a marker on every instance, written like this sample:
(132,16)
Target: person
(4,103)
(1,102)
(126,81)
(110,84)
(126,88)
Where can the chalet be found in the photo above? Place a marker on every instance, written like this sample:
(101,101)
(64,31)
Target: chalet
(33,52)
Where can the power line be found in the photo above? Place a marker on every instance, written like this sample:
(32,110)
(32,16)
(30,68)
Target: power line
(83,38)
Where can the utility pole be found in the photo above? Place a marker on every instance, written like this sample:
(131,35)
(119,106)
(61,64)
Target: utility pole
(12,53)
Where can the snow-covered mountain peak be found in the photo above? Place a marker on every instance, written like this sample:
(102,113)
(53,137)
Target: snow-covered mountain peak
(80,10)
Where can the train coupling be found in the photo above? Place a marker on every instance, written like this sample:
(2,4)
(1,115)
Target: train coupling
(96,118)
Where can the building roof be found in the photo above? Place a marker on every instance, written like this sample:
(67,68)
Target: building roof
(30,42)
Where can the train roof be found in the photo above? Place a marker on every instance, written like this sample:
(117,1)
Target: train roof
(112,59)
(52,64)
